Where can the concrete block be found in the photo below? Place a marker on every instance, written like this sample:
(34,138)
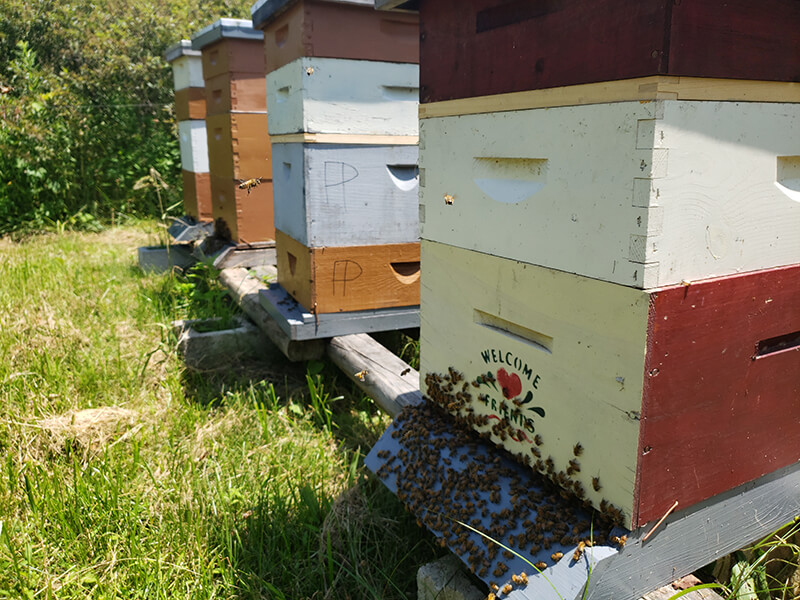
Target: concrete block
(445,579)
(164,258)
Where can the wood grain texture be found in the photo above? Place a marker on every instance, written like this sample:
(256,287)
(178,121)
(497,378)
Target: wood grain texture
(644,194)
(330,95)
(483,47)
(576,344)
(336,279)
(197,195)
(238,92)
(238,146)
(715,414)
(345,195)
(233,56)
(187,71)
(387,379)
(193,142)
(245,291)
(190,103)
(248,216)
(338,30)
(657,87)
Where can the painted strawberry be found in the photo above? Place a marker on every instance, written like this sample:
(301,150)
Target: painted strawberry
(511,385)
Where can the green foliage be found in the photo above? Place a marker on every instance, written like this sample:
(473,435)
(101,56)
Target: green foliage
(87,107)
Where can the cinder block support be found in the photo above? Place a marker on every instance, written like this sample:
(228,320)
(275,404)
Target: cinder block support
(445,579)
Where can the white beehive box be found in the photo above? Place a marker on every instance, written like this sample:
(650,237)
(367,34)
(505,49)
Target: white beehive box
(346,194)
(332,95)
(187,65)
(194,146)
(643,194)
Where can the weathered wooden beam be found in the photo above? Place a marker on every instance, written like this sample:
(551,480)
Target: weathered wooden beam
(667,592)
(245,291)
(383,376)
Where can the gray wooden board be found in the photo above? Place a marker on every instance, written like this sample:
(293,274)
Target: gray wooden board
(245,256)
(245,291)
(377,371)
(695,537)
(565,579)
(346,194)
(299,324)
(187,229)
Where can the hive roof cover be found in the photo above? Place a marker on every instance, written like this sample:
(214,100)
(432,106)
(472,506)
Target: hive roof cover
(225,28)
(265,11)
(182,48)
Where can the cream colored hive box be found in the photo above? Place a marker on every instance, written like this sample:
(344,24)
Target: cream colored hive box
(618,394)
(334,95)
(194,145)
(644,194)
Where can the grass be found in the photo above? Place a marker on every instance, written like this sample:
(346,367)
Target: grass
(122,475)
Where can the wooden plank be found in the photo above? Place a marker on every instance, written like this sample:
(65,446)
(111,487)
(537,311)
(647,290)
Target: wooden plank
(640,194)
(344,138)
(385,378)
(245,291)
(246,256)
(238,92)
(724,352)
(344,195)
(193,142)
(520,46)
(658,87)
(667,592)
(238,146)
(197,195)
(244,216)
(299,324)
(190,103)
(335,30)
(349,278)
(335,95)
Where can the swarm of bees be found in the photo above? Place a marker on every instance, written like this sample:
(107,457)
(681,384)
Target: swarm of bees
(249,184)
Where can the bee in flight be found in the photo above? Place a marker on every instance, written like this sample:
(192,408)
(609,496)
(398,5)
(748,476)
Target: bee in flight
(249,184)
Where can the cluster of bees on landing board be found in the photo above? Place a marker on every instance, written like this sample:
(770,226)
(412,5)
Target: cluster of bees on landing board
(452,482)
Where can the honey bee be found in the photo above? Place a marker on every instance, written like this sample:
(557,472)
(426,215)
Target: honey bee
(596,484)
(541,565)
(405,371)
(361,375)
(491,596)
(537,439)
(524,578)
(507,588)
(577,449)
(448,199)
(494,587)
(576,556)
(249,184)
(310,71)
(517,579)
(557,556)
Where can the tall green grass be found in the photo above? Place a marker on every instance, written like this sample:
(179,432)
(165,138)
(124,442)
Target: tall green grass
(124,476)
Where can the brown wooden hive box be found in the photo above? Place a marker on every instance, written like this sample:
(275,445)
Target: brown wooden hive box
(190,103)
(238,146)
(329,29)
(483,47)
(349,278)
(237,92)
(197,195)
(247,214)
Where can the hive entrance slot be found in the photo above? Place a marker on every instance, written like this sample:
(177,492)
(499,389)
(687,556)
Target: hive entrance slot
(406,272)
(292,262)
(513,330)
(778,344)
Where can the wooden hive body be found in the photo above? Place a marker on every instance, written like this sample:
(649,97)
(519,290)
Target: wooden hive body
(349,278)
(641,193)
(248,215)
(235,92)
(679,393)
(194,145)
(329,29)
(346,194)
(328,95)
(197,195)
(482,47)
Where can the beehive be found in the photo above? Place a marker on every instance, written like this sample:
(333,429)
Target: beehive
(346,194)
(641,193)
(334,29)
(485,47)
(236,124)
(339,96)
(612,388)
(187,71)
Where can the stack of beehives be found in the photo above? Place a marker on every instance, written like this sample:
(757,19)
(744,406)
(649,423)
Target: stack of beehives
(342,90)
(610,223)
(236,122)
(190,112)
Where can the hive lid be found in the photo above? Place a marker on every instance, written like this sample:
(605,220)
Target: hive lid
(225,29)
(265,11)
(182,48)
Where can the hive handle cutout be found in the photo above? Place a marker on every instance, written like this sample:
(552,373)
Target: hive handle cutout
(406,272)
(787,176)
(400,93)
(292,262)
(509,180)
(281,35)
(404,177)
(778,344)
(522,334)
(283,93)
